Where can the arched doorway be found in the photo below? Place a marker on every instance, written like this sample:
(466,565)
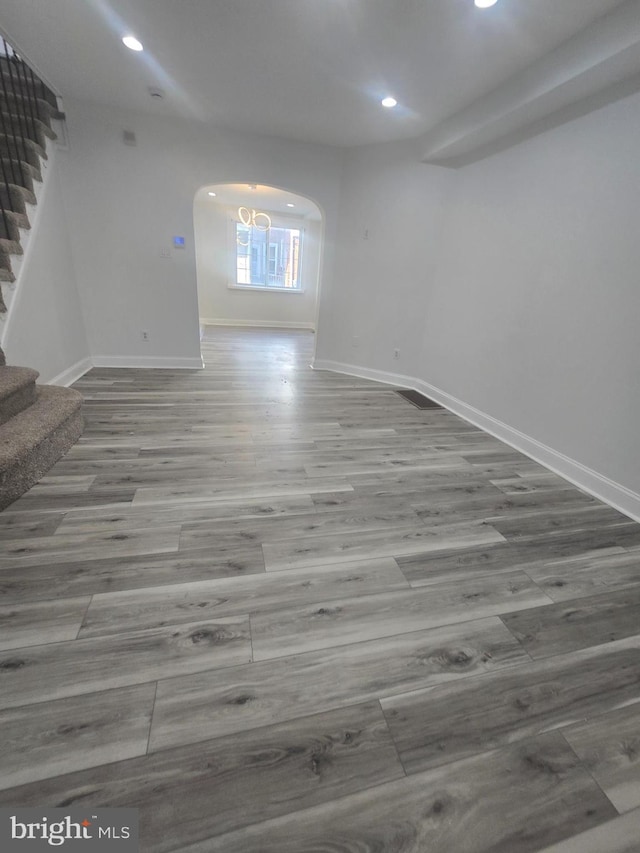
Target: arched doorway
(258,256)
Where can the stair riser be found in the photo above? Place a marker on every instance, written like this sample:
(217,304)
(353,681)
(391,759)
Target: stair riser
(20,198)
(27,150)
(9,229)
(9,150)
(15,116)
(17,402)
(6,274)
(14,77)
(16,199)
(36,131)
(19,478)
(10,200)
(30,104)
(27,90)
(21,173)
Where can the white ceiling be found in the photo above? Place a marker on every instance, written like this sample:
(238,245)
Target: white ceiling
(269,199)
(312,70)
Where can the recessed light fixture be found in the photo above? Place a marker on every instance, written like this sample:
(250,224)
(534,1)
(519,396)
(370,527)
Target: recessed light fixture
(211,194)
(132,43)
(485,4)
(290,205)
(389,102)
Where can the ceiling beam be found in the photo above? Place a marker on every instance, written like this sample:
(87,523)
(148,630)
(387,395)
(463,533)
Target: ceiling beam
(598,65)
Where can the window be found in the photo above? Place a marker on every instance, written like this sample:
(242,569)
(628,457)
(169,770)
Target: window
(268,257)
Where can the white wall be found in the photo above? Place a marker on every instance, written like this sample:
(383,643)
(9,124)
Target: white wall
(530,314)
(537,292)
(46,328)
(126,203)
(390,220)
(217,301)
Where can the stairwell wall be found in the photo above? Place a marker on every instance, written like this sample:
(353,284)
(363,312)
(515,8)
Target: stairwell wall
(45,328)
(126,203)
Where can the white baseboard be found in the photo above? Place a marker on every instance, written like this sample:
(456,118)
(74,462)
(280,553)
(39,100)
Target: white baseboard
(72,374)
(585,478)
(158,362)
(259,324)
(77,370)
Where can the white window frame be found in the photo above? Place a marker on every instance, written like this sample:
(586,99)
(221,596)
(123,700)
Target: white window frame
(277,222)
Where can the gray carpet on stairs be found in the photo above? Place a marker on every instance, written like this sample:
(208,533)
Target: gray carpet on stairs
(17,390)
(37,424)
(33,440)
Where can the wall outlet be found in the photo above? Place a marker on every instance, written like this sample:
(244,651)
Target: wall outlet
(165,253)
(396,353)
(355,341)
(145,334)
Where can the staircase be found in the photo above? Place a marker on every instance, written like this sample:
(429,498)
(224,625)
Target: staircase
(27,108)
(38,424)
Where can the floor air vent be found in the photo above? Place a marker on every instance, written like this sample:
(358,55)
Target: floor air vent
(418,399)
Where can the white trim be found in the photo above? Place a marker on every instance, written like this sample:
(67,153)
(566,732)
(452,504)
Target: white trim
(264,289)
(147,361)
(598,485)
(259,324)
(232,250)
(73,373)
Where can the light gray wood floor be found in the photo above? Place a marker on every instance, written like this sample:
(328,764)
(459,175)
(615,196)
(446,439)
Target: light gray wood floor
(284,611)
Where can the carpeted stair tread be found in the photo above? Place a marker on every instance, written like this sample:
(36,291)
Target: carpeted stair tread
(7,276)
(25,149)
(22,172)
(20,154)
(32,103)
(53,406)
(35,129)
(11,78)
(14,378)
(15,197)
(10,247)
(17,390)
(10,224)
(36,132)
(33,440)
(21,175)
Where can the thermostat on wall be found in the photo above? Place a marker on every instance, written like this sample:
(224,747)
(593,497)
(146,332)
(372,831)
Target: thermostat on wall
(178,242)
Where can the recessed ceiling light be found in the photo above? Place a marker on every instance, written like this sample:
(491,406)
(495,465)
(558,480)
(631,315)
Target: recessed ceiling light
(484,4)
(290,205)
(389,102)
(211,193)
(132,43)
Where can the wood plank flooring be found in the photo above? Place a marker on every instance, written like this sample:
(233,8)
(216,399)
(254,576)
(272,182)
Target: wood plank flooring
(279,609)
